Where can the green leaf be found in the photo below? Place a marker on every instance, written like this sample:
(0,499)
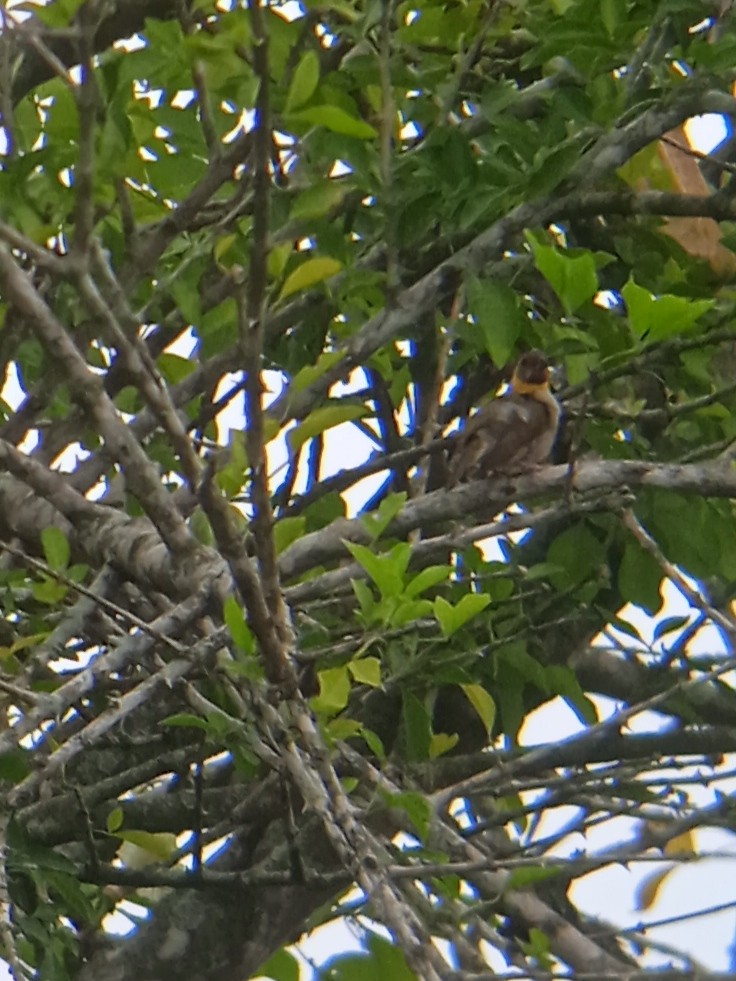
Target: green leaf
(441,743)
(319,199)
(115,138)
(647,166)
(577,553)
(483,704)
(365,598)
(114,820)
(670,625)
(417,726)
(304,81)
(573,278)
(49,591)
(282,966)
(308,274)
(201,528)
(444,611)
(27,855)
(366,671)
(552,166)
(407,611)
(236,624)
(184,720)
(55,547)
(389,960)
(321,419)
(640,578)
(56,14)
(333,118)
(625,626)
(497,311)
(376,522)
(542,570)
(538,946)
(77,572)
(417,808)
(313,372)
(15,765)
(218,327)
(521,661)
(222,247)
(278,257)
(452,618)
(174,368)
(325,510)
(342,728)
(72,893)
(185,291)
(22,644)
(428,577)
(374,743)
(509,694)
(334,690)
(232,475)
(655,318)
(530,875)
(159,846)
(383,960)
(563,681)
(288,530)
(611,13)
(386,570)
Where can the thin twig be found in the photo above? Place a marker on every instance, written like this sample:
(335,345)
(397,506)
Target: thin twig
(251,320)
(86,96)
(691,593)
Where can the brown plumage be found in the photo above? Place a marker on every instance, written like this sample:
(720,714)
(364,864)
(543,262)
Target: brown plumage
(512,433)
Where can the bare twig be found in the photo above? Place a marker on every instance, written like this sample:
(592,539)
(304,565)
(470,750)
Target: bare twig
(251,324)
(139,471)
(86,97)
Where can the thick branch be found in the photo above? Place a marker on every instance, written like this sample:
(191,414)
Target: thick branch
(488,497)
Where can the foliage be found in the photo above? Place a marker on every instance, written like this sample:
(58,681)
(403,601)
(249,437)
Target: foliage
(334,227)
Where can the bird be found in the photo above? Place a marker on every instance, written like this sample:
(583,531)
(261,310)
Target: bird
(514,432)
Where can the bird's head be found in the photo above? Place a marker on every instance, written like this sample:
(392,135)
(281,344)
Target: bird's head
(531,373)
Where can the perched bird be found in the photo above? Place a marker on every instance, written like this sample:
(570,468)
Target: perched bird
(512,433)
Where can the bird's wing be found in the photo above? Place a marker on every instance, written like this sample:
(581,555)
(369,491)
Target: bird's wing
(511,431)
